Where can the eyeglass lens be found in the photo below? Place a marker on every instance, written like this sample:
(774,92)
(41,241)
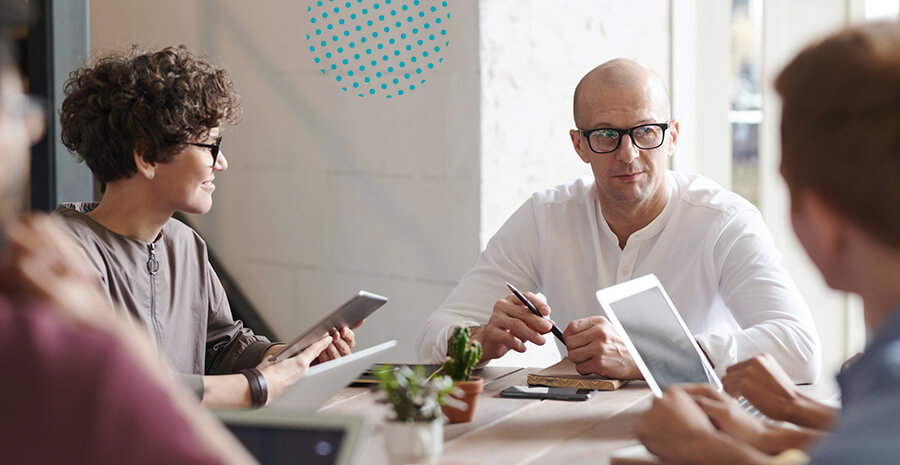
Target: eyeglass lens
(215,149)
(644,137)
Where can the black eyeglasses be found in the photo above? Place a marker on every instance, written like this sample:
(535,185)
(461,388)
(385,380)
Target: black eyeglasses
(213,148)
(607,140)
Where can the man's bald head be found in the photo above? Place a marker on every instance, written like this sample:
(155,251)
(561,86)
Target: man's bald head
(616,77)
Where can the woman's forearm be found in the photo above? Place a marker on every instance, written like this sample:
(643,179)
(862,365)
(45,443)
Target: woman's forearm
(228,391)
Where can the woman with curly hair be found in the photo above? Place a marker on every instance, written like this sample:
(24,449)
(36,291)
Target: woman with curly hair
(149,126)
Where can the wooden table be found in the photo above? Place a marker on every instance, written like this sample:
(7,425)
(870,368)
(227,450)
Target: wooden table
(517,431)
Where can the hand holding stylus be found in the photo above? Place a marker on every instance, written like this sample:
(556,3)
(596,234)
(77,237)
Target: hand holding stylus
(511,325)
(530,306)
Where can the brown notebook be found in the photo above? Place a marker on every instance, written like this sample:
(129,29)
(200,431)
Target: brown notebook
(563,374)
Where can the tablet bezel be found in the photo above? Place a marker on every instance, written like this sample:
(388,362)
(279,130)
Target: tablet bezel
(349,314)
(629,288)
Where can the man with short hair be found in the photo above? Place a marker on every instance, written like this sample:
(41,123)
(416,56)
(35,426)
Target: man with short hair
(840,147)
(709,247)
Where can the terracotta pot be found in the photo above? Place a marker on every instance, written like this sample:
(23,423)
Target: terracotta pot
(470,391)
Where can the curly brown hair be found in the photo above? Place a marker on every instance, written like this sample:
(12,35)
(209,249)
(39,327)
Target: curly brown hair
(150,103)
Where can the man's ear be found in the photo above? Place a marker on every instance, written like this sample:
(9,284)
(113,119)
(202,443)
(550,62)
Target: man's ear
(823,230)
(674,127)
(581,145)
(145,168)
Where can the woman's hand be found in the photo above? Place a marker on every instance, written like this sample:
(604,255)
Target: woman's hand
(342,342)
(280,375)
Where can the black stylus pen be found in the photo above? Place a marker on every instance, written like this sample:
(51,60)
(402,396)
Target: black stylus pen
(521,297)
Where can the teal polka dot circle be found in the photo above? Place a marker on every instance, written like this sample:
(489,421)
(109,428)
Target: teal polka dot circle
(378,47)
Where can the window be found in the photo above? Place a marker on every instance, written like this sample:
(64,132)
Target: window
(746,112)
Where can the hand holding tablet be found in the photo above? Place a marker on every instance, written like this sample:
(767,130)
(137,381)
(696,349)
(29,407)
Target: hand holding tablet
(350,314)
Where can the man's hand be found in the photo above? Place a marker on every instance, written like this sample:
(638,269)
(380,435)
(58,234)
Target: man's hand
(512,324)
(679,432)
(280,375)
(596,348)
(728,416)
(763,382)
(675,428)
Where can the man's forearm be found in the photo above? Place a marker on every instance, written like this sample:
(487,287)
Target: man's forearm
(476,333)
(716,448)
(778,439)
(808,412)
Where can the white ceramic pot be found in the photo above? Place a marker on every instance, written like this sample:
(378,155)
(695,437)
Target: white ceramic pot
(420,442)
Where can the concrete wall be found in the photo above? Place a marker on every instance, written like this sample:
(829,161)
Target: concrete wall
(326,192)
(533,53)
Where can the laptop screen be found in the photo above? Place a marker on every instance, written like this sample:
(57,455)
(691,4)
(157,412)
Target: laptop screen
(287,445)
(659,338)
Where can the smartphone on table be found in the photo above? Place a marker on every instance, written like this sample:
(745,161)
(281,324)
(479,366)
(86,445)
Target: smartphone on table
(544,392)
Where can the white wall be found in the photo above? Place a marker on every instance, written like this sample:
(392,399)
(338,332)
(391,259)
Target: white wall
(326,192)
(533,53)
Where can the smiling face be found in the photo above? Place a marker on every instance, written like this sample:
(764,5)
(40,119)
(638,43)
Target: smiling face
(622,96)
(185,183)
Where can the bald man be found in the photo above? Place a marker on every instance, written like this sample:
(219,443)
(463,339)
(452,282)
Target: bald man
(709,247)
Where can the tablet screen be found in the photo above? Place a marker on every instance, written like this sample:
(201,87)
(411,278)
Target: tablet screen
(659,338)
(284,444)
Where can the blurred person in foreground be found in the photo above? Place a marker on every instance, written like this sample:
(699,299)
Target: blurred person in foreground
(840,141)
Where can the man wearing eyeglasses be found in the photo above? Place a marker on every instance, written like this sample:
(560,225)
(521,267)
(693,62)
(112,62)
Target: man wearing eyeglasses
(709,247)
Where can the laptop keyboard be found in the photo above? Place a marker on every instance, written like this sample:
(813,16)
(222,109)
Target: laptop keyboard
(746,405)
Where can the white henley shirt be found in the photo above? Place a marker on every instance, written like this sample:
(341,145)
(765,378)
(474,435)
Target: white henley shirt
(709,248)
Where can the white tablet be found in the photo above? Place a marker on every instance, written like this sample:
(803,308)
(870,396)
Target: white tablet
(663,348)
(350,314)
(321,382)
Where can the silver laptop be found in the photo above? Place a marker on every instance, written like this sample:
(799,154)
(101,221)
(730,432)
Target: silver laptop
(276,437)
(663,348)
(321,382)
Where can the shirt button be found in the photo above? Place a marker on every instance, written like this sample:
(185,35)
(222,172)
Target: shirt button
(624,271)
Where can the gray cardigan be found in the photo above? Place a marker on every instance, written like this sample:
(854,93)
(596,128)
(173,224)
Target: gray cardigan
(171,289)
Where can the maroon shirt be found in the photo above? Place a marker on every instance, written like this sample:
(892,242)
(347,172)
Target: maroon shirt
(71,395)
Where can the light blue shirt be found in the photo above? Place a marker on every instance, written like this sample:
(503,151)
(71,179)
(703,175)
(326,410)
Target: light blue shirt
(868,428)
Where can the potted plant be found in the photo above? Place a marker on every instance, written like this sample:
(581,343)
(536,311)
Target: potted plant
(416,433)
(462,355)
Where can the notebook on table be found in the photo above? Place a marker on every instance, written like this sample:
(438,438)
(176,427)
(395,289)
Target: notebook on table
(277,437)
(564,374)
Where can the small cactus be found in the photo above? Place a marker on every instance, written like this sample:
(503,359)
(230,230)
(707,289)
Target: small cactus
(462,355)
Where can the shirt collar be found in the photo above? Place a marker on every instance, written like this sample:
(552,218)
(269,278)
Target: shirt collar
(654,227)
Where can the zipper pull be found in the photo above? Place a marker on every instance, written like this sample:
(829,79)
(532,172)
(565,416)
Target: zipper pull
(152,263)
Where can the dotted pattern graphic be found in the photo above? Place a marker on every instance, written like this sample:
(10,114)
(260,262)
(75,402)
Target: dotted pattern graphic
(378,47)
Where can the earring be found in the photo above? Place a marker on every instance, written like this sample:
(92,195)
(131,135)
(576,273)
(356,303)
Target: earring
(151,175)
